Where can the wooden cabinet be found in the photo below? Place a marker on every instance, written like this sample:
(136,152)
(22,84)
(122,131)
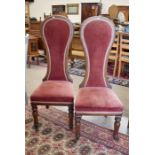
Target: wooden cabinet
(89,9)
(35,26)
(33,50)
(115,9)
(27,16)
(35,30)
(76,50)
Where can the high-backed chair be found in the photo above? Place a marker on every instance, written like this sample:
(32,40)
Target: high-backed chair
(124,51)
(113,55)
(94,96)
(56,88)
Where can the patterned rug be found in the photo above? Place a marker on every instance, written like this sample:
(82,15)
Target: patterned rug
(54,138)
(78,68)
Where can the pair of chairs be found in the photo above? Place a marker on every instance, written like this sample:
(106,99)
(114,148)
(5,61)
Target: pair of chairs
(94,96)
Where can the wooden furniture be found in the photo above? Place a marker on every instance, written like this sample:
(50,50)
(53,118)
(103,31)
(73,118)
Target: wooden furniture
(76,49)
(89,9)
(34,30)
(94,96)
(113,55)
(27,16)
(62,14)
(56,88)
(33,50)
(124,51)
(35,27)
(115,9)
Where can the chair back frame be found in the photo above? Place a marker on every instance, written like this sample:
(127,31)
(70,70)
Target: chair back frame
(60,25)
(103,28)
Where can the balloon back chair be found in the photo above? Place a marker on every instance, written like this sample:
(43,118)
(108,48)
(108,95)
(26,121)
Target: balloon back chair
(94,96)
(56,88)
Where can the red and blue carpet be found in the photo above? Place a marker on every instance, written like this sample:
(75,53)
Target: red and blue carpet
(54,138)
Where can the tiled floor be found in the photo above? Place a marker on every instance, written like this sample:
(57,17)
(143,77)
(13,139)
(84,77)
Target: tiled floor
(35,74)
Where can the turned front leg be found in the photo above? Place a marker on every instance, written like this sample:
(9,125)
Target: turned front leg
(47,106)
(77,126)
(35,116)
(71,115)
(116,127)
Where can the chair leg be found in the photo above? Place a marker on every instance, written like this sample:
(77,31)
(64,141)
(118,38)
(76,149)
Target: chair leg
(47,106)
(72,62)
(119,69)
(35,116)
(77,126)
(26,98)
(115,66)
(37,60)
(29,61)
(116,127)
(71,115)
(122,67)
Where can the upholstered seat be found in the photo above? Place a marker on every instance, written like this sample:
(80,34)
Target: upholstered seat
(96,100)
(54,91)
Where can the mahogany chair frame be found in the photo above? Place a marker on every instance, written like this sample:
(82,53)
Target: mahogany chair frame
(78,115)
(35,104)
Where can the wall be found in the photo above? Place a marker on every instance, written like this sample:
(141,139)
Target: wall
(39,7)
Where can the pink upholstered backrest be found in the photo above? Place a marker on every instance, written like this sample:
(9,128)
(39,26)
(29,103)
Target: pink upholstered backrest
(97,35)
(57,33)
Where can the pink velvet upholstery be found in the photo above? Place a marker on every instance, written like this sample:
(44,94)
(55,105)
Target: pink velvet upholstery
(56,88)
(97,34)
(97,99)
(94,96)
(57,35)
(97,37)
(53,91)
